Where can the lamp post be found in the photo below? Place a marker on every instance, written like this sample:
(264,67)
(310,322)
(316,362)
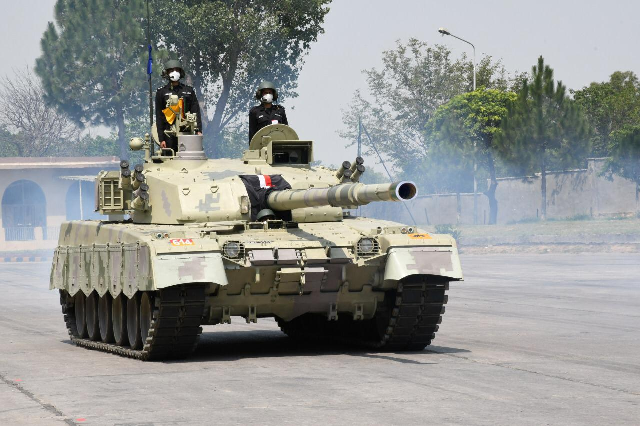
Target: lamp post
(444,32)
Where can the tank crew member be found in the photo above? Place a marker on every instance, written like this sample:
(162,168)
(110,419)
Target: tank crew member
(267,112)
(173,72)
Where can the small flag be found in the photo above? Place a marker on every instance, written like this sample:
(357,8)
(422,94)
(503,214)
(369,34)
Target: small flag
(150,62)
(265,181)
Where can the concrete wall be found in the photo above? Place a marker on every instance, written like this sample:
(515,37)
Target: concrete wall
(569,193)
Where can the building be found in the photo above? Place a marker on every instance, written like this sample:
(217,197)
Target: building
(38,194)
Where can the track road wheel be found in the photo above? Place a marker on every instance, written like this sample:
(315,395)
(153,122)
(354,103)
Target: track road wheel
(91,310)
(79,304)
(133,322)
(146,315)
(104,318)
(119,318)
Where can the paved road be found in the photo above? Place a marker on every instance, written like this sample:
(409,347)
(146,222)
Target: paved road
(527,339)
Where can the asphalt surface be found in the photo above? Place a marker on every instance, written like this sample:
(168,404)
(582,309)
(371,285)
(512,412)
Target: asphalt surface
(526,339)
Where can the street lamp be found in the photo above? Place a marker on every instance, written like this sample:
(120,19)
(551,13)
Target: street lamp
(444,32)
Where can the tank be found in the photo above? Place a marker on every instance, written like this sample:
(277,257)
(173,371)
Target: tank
(189,241)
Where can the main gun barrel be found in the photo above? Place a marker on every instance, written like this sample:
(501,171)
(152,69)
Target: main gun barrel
(344,195)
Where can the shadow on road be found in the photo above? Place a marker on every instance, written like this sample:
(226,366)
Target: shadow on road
(235,345)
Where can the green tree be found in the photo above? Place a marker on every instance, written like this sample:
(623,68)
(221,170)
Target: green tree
(610,106)
(402,97)
(92,65)
(624,160)
(544,128)
(466,127)
(227,47)
(8,147)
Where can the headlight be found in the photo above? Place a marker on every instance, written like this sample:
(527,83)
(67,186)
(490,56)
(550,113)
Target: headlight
(232,249)
(367,247)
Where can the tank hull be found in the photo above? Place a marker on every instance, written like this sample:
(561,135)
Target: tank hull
(291,273)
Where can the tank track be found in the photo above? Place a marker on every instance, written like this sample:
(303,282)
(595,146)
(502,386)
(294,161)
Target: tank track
(415,316)
(174,331)
(406,321)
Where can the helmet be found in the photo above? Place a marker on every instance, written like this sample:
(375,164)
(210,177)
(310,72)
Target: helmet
(170,64)
(266,85)
(264,215)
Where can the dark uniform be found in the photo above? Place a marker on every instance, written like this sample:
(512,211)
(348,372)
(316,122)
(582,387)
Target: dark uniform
(190,105)
(259,117)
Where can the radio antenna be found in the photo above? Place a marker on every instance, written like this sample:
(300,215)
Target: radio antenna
(149,72)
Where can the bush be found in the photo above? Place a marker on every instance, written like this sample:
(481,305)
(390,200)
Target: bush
(447,228)
(577,217)
(524,220)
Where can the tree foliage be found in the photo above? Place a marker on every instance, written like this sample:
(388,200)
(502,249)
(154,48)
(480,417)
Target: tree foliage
(228,46)
(624,160)
(465,128)
(610,106)
(92,65)
(544,128)
(31,128)
(402,97)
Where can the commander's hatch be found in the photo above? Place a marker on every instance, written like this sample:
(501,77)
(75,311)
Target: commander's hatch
(278,144)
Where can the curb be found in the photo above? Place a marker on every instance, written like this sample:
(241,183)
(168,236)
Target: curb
(25,259)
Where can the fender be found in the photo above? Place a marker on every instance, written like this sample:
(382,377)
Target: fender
(175,269)
(439,261)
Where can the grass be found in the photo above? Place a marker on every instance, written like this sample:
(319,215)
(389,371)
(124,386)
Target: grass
(569,226)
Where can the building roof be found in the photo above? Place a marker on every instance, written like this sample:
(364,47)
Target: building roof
(57,162)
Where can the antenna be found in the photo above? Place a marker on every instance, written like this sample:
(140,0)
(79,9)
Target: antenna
(373,145)
(359,136)
(149,72)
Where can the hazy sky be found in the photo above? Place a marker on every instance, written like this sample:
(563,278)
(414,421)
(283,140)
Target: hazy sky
(582,41)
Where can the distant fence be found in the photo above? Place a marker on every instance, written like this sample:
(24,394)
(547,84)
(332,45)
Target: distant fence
(31,233)
(19,233)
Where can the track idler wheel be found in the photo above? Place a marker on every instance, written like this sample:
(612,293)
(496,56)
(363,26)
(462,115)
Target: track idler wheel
(79,304)
(133,322)
(119,320)
(104,318)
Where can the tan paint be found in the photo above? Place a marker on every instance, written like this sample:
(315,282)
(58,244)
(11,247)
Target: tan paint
(194,209)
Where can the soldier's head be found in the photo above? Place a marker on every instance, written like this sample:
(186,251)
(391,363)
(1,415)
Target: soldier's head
(173,70)
(266,92)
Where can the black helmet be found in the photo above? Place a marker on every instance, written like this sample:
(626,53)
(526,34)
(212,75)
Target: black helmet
(267,85)
(171,64)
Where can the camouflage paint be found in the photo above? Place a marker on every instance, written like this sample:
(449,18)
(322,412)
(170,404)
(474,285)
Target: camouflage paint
(402,262)
(173,269)
(317,270)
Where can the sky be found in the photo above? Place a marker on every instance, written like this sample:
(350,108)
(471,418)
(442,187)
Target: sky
(583,41)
